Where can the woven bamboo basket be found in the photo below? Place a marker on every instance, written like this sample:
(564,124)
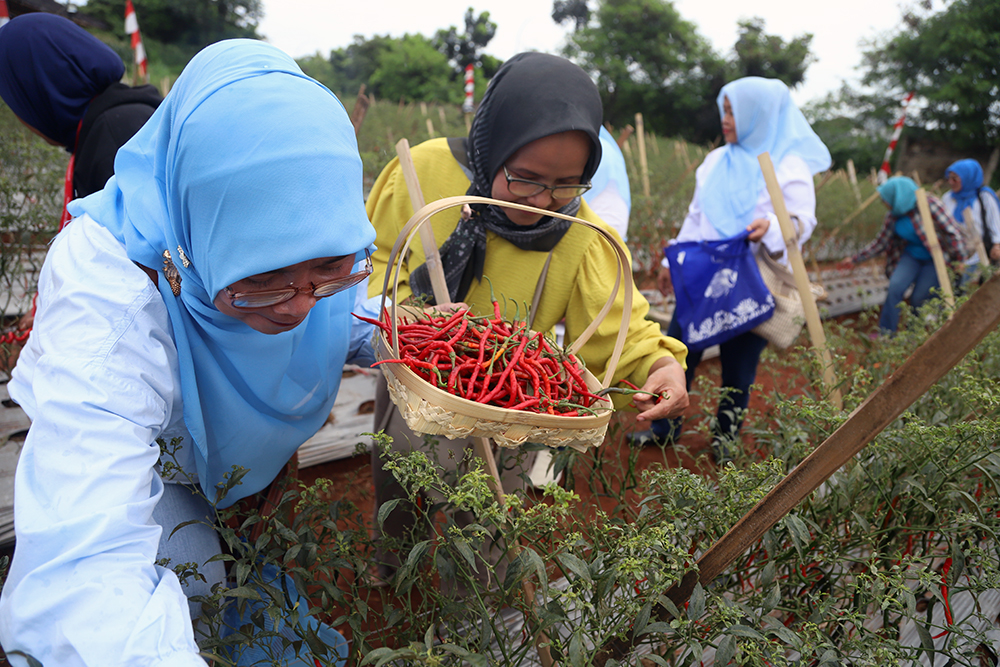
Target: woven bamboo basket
(427,409)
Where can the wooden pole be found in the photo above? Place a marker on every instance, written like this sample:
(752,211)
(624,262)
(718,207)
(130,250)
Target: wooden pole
(853,177)
(640,134)
(361,104)
(939,354)
(794,255)
(935,247)
(977,239)
(431,254)
(485,451)
(430,128)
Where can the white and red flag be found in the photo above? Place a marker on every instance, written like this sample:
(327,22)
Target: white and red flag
(132,29)
(897,129)
(4,16)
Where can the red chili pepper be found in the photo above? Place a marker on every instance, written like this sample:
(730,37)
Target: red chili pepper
(944,596)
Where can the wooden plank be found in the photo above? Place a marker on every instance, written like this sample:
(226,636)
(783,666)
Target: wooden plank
(791,238)
(431,254)
(944,282)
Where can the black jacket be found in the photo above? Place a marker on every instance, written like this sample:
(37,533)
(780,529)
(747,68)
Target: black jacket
(111,119)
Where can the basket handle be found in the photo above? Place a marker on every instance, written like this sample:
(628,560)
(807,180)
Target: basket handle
(624,275)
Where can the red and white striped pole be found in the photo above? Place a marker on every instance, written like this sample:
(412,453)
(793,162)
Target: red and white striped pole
(470,88)
(132,28)
(4,15)
(897,129)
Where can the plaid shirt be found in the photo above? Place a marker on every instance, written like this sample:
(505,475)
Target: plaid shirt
(949,236)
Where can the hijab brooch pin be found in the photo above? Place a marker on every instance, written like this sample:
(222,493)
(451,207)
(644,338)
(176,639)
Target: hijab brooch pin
(171,273)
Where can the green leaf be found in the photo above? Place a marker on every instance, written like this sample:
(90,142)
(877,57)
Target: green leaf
(575,565)
(246,592)
(726,651)
(739,630)
(926,641)
(642,618)
(654,628)
(696,605)
(773,597)
(576,655)
(385,509)
(467,553)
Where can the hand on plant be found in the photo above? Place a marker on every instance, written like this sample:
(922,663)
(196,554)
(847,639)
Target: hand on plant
(845,264)
(663,282)
(758,228)
(995,252)
(667,389)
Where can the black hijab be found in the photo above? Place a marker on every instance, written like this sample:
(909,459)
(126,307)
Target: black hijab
(533,95)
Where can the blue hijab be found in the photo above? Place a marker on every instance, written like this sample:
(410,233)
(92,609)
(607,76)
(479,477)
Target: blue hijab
(50,69)
(900,193)
(247,166)
(971,174)
(766,121)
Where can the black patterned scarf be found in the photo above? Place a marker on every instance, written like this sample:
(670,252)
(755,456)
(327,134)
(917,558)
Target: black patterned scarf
(533,95)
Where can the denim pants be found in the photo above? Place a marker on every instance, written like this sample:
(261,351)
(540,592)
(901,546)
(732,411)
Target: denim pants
(910,271)
(739,357)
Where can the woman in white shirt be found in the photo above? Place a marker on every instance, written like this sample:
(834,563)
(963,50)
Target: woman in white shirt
(965,178)
(186,299)
(730,196)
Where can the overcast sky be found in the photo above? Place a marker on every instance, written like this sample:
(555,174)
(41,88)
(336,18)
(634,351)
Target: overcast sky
(304,27)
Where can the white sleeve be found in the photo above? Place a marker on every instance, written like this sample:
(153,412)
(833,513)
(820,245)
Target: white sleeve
(799,191)
(992,218)
(83,588)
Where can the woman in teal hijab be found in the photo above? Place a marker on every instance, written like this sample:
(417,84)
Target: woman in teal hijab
(204,294)
(908,260)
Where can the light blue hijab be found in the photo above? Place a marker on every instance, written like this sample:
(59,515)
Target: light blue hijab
(248,166)
(900,193)
(766,121)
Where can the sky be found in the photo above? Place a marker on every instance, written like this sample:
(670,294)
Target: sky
(305,27)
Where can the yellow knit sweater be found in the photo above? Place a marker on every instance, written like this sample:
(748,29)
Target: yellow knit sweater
(578,283)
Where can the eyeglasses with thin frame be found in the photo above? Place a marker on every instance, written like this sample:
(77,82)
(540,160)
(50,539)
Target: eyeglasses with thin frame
(522,187)
(266,298)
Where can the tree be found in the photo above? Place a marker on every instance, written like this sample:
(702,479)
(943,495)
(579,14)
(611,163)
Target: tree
(408,68)
(571,10)
(412,69)
(769,56)
(190,23)
(647,58)
(951,60)
(853,126)
(467,48)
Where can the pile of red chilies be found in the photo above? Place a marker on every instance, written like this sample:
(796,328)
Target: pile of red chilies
(492,361)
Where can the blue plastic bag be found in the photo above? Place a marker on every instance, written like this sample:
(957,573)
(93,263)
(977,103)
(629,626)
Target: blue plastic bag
(719,291)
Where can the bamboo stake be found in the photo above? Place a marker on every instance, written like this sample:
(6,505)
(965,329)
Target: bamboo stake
(442,116)
(640,134)
(813,323)
(485,451)
(430,129)
(423,108)
(935,247)
(939,354)
(973,233)
(853,177)
(431,254)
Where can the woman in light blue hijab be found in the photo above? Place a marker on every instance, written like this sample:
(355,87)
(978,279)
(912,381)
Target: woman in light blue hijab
(204,294)
(730,197)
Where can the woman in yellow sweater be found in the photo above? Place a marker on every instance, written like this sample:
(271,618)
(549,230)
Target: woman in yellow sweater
(534,141)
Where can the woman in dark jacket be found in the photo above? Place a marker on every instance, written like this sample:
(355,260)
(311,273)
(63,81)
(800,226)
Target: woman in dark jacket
(63,83)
